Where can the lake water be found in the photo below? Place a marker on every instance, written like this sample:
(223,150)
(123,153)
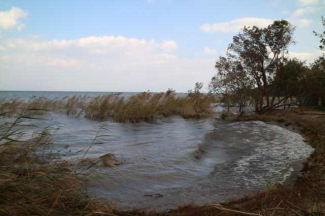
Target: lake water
(173,162)
(28,95)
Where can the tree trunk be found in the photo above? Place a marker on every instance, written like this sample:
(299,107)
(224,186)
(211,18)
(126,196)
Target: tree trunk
(256,105)
(323,101)
(265,88)
(313,101)
(261,100)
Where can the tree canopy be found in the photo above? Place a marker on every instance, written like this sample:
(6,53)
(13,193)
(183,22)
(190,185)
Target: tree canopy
(251,62)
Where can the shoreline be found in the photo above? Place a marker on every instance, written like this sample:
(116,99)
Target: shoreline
(296,196)
(298,165)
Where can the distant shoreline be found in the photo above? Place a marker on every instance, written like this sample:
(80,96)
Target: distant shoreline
(108,92)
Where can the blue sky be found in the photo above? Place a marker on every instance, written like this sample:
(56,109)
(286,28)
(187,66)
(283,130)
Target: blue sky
(134,45)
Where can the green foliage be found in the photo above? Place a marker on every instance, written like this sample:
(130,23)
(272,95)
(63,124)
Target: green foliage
(289,77)
(256,69)
(251,63)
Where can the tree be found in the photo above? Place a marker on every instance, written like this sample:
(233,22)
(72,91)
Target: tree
(321,36)
(318,67)
(252,60)
(287,76)
(288,79)
(231,81)
(318,73)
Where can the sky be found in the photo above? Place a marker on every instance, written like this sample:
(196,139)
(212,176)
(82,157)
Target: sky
(135,45)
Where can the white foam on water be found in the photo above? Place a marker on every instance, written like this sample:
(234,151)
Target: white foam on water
(235,159)
(276,150)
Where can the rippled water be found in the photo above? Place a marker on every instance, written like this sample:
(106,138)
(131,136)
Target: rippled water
(28,95)
(176,162)
(173,161)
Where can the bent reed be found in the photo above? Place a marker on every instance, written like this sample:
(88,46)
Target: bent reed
(144,106)
(34,182)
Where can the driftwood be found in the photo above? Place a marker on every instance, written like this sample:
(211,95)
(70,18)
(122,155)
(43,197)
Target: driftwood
(220,207)
(276,208)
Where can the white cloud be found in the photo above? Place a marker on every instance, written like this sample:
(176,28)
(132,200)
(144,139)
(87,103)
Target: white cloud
(295,16)
(94,44)
(10,19)
(5,58)
(66,63)
(106,63)
(286,12)
(303,11)
(60,52)
(236,25)
(308,2)
(309,57)
(208,51)
(302,23)
(169,46)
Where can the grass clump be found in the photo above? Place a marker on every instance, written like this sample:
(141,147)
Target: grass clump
(147,106)
(33,183)
(144,106)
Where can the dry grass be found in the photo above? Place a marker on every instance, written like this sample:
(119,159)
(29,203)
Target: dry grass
(148,106)
(140,107)
(69,105)
(31,183)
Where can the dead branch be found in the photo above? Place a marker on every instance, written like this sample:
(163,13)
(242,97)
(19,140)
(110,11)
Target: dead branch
(220,207)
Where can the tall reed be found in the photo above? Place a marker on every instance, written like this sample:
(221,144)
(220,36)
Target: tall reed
(32,183)
(144,106)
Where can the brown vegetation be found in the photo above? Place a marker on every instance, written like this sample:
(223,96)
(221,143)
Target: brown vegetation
(140,107)
(31,183)
(147,106)
(34,185)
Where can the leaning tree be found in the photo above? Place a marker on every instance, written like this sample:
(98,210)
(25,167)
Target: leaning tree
(251,62)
